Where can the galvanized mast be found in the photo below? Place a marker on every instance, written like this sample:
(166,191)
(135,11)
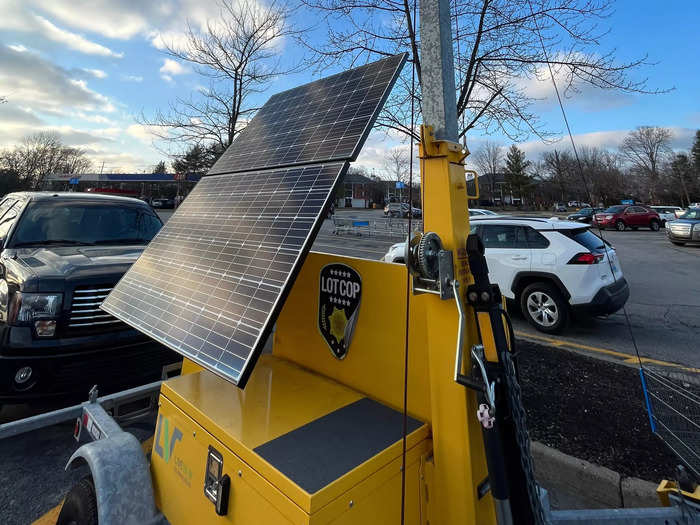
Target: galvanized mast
(437,69)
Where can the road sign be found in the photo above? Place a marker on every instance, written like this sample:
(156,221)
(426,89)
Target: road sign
(627,201)
(400,185)
(74,180)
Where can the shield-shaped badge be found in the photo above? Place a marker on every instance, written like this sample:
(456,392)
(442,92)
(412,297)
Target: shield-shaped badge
(340,291)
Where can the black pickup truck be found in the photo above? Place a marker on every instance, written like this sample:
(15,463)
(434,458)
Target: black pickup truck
(61,254)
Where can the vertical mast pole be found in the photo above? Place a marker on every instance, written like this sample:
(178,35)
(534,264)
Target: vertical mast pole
(437,69)
(459,464)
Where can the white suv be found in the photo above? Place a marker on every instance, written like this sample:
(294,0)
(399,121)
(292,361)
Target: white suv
(552,268)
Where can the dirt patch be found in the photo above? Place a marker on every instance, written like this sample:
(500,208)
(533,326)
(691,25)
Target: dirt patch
(591,409)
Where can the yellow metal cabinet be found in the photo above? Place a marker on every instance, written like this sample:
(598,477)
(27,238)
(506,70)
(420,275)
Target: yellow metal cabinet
(299,448)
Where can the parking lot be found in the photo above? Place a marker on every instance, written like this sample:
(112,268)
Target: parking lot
(663,308)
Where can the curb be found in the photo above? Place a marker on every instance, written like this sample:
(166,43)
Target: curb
(574,483)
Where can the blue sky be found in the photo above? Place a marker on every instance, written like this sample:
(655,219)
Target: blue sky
(87,68)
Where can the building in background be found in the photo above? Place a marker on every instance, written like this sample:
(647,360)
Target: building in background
(146,186)
(356,191)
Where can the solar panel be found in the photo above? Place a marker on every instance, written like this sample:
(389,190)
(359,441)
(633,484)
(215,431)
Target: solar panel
(211,283)
(325,120)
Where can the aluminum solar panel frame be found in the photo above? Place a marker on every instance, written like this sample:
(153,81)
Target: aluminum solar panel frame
(325,120)
(211,283)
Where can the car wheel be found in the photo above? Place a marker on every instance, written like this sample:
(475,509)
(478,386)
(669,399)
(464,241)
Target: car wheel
(654,225)
(678,243)
(80,505)
(620,226)
(544,307)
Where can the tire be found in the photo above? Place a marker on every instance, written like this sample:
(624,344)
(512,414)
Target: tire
(654,225)
(620,226)
(80,505)
(678,243)
(544,307)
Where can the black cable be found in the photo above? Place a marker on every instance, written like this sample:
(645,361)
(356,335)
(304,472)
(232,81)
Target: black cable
(408,295)
(583,178)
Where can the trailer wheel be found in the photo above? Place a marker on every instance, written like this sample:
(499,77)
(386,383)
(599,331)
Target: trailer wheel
(80,505)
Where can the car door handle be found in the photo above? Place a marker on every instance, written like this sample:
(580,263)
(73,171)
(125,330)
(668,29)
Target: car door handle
(519,257)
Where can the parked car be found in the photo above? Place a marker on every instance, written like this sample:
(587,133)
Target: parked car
(476,212)
(623,216)
(61,254)
(559,207)
(393,209)
(667,213)
(552,268)
(584,215)
(686,228)
(417,212)
(163,203)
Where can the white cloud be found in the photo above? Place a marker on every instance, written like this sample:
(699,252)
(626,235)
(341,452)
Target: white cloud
(34,82)
(97,119)
(582,94)
(97,73)
(681,139)
(112,19)
(131,78)
(172,67)
(142,133)
(73,40)
(17,47)
(374,152)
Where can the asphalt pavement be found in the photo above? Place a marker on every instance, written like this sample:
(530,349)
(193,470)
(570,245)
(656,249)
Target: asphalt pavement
(664,303)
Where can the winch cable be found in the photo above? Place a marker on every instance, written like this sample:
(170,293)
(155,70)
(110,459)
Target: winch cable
(585,183)
(408,291)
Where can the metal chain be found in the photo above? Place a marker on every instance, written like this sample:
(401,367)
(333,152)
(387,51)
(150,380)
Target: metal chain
(522,436)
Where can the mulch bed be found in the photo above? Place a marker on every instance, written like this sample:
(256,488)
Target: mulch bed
(591,409)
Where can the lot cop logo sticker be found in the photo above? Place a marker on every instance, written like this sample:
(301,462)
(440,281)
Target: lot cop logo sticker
(340,290)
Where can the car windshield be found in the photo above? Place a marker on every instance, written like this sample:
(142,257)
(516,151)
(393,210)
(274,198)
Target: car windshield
(586,211)
(691,214)
(84,223)
(615,209)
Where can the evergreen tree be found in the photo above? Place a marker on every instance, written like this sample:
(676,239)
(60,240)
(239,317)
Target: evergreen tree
(516,172)
(695,152)
(160,168)
(197,159)
(682,170)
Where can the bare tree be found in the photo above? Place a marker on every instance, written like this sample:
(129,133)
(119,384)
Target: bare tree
(239,53)
(41,154)
(497,50)
(645,149)
(489,160)
(397,165)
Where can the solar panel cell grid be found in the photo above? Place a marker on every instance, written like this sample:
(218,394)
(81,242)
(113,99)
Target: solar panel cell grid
(321,121)
(209,283)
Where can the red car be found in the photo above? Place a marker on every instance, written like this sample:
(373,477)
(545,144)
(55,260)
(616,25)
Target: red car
(624,216)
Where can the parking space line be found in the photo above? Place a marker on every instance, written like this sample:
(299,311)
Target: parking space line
(51,517)
(625,358)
